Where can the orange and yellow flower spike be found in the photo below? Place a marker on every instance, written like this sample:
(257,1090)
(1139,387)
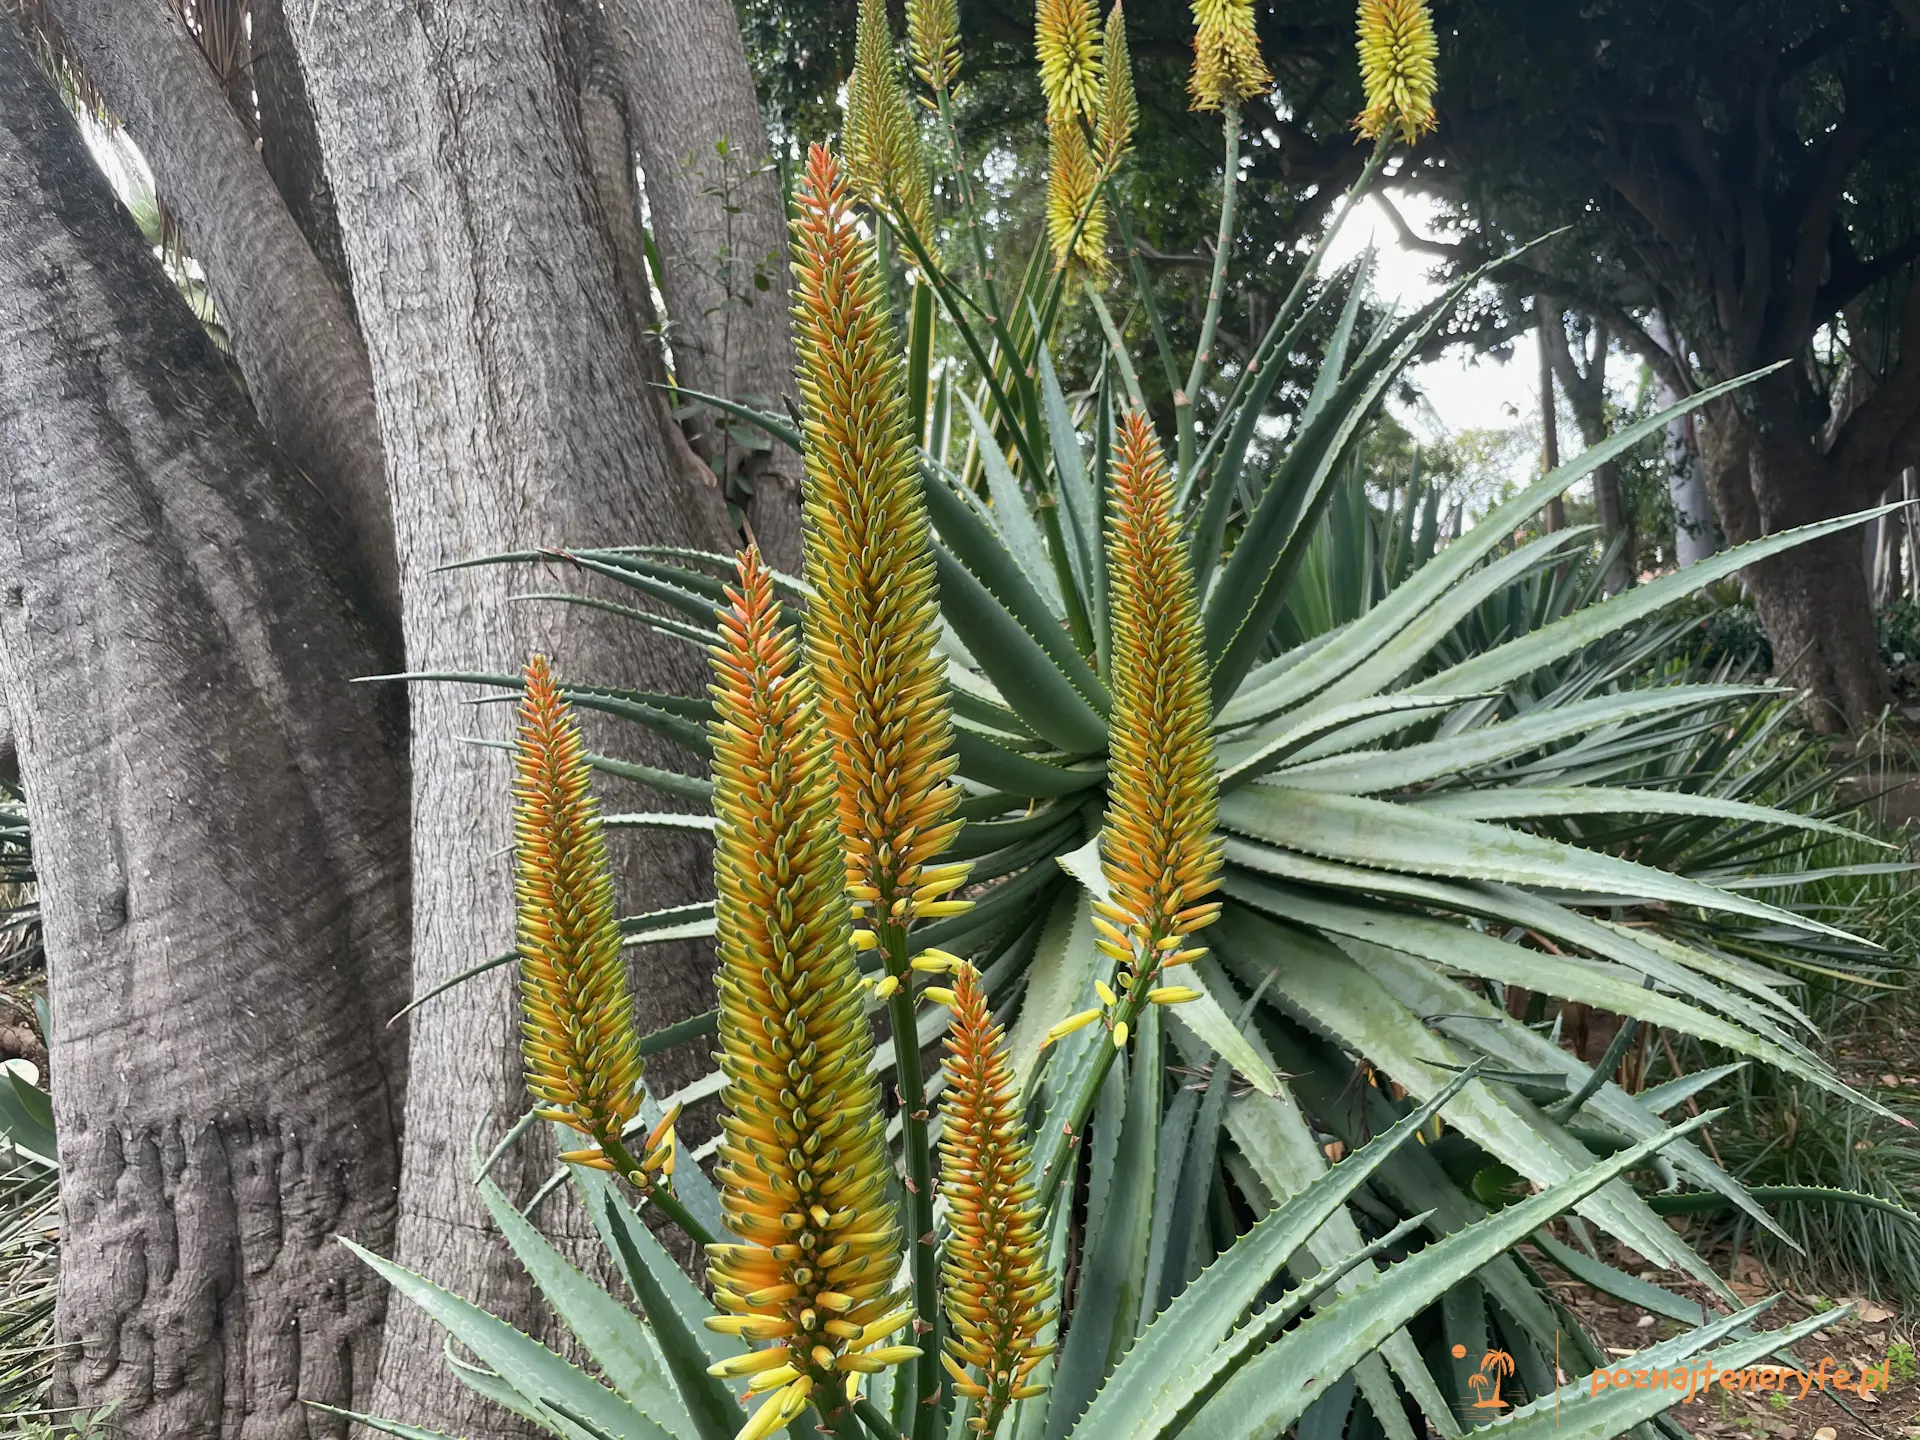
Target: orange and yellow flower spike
(882,132)
(1227,67)
(1119,109)
(583,1063)
(874,620)
(1073,182)
(1157,846)
(803,1165)
(1397,51)
(1066,39)
(995,1272)
(933,40)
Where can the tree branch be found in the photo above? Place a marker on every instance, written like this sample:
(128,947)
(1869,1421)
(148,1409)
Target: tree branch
(293,337)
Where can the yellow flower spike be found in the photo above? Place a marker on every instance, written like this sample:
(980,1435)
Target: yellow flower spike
(1072,1023)
(875,619)
(802,1167)
(1397,51)
(582,1061)
(933,38)
(882,132)
(1066,39)
(1227,67)
(1156,846)
(884,987)
(1120,1036)
(1073,183)
(936,962)
(1172,994)
(995,1278)
(1104,991)
(1119,110)
(939,995)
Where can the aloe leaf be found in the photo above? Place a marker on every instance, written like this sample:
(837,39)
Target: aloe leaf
(1679,967)
(1241,606)
(1456,946)
(1276,1386)
(1082,1364)
(1543,802)
(703,637)
(1077,499)
(1190,1343)
(1380,834)
(1658,1099)
(1011,514)
(609,1332)
(992,764)
(775,425)
(1320,985)
(374,1422)
(1641,1294)
(1451,564)
(1211,1025)
(988,561)
(1254,753)
(658,820)
(1210,526)
(674,716)
(524,1364)
(675,1309)
(1505,663)
(26,1118)
(1017,660)
(1059,982)
(1285,1158)
(1372,771)
(1583,1411)
(1461,1013)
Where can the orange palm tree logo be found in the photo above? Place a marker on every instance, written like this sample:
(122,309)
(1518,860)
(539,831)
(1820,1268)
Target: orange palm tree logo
(1485,1383)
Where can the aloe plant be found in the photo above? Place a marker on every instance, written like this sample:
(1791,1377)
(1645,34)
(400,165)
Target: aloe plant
(1246,786)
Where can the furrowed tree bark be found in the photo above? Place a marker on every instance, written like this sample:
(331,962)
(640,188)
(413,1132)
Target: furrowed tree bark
(293,335)
(219,828)
(288,146)
(1813,599)
(509,381)
(719,223)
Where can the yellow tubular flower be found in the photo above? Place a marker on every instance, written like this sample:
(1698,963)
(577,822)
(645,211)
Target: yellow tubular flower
(994,1271)
(882,133)
(1072,186)
(1227,67)
(1397,51)
(803,1165)
(1119,111)
(1157,846)
(874,620)
(1067,41)
(933,36)
(583,1064)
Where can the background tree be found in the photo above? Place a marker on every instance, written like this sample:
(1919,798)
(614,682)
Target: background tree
(421,230)
(1734,174)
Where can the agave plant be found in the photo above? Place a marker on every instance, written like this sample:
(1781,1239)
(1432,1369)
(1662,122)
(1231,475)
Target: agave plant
(1254,841)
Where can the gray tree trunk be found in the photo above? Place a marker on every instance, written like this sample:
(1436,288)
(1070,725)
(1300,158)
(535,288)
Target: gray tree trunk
(1584,378)
(218,823)
(509,381)
(293,335)
(1696,534)
(719,223)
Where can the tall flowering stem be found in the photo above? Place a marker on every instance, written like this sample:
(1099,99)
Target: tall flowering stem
(872,626)
(578,1041)
(803,1166)
(997,1285)
(1157,848)
(883,135)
